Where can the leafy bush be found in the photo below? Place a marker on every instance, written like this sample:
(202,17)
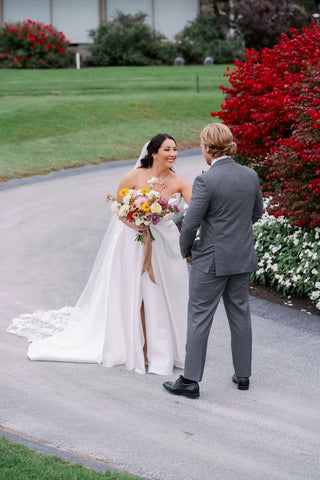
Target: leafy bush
(31,44)
(288,257)
(272,107)
(127,40)
(262,23)
(206,36)
(226,51)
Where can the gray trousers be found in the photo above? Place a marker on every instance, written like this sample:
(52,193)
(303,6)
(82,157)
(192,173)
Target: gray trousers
(205,291)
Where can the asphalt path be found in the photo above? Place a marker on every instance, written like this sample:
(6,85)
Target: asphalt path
(51,228)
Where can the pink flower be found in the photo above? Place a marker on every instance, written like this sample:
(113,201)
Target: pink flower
(140,201)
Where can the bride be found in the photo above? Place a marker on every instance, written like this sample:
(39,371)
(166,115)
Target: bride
(122,316)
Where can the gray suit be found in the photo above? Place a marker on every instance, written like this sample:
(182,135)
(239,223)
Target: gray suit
(226,201)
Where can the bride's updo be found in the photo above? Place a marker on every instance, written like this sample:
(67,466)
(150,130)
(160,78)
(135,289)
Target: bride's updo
(153,146)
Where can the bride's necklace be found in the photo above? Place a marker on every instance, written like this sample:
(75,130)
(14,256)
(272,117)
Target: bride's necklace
(163,183)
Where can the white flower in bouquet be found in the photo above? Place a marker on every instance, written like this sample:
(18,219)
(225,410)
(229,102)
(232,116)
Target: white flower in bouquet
(154,194)
(138,221)
(156,208)
(126,199)
(152,182)
(123,210)
(114,207)
(141,221)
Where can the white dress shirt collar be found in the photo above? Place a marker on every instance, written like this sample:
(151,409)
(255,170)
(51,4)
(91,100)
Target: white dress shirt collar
(218,158)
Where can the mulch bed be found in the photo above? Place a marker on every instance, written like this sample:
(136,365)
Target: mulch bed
(266,292)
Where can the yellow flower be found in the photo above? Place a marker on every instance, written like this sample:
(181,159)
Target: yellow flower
(123,191)
(144,191)
(145,207)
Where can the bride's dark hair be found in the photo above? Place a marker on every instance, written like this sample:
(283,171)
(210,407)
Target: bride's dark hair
(153,146)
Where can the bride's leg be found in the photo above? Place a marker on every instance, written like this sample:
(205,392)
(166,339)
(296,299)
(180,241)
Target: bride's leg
(143,321)
(158,330)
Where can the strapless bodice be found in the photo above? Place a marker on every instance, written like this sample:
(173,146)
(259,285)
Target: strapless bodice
(175,199)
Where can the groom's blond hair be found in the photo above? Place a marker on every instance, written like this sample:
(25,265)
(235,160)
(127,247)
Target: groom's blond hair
(218,139)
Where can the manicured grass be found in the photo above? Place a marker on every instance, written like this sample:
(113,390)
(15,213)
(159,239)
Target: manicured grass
(51,120)
(18,462)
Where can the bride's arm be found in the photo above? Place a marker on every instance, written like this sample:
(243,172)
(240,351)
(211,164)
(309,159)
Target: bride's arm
(128,181)
(186,190)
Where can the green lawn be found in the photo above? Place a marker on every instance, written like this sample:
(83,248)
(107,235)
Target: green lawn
(18,462)
(56,119)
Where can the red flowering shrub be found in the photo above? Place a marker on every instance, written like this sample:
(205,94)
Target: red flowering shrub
(273,109)
(31,44)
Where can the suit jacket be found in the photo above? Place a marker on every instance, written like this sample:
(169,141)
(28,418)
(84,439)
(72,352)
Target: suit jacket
(226,201)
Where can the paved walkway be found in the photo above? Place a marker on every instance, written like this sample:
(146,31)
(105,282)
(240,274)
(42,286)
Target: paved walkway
(50,230)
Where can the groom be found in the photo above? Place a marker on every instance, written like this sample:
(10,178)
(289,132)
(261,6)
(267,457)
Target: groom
(226,201)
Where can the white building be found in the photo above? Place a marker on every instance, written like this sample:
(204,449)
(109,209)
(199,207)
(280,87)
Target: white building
(76,17)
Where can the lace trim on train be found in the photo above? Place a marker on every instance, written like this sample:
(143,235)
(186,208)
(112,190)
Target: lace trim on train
(40,324)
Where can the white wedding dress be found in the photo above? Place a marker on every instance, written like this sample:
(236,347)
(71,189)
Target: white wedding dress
(105,325)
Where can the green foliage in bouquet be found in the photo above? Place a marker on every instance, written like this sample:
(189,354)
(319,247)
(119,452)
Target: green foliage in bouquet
(31,44)
(289,257)
(207,36)
(128,40)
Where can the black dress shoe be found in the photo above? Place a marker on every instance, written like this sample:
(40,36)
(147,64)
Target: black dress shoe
(243,382)
(190,390)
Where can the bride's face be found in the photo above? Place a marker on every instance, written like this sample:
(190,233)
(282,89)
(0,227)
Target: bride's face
(167,154)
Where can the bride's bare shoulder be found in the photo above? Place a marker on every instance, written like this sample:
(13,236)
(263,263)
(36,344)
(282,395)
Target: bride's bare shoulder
(132,178)
(181,182)
(133,174)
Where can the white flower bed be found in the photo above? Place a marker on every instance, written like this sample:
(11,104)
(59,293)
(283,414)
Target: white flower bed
(288,257)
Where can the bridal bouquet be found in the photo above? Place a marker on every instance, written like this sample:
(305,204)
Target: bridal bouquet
(143,207)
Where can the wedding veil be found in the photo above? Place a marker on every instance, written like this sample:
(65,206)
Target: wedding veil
(110,235)
(143,153)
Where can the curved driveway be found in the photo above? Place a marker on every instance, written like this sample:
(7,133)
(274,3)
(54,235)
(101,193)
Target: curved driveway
(50,232)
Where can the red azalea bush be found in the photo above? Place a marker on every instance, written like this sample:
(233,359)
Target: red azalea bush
(273,109)
(31,44)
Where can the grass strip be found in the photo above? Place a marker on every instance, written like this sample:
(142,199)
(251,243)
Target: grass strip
(19,462)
